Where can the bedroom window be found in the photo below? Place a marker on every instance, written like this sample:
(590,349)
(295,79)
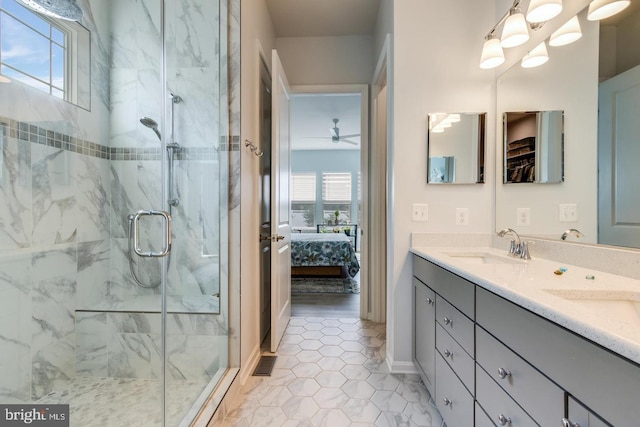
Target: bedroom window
(336,196)
(303,199)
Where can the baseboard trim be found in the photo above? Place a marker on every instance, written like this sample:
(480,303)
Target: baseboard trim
(251,364)
(401,367)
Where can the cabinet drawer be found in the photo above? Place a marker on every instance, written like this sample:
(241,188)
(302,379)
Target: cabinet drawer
(498,405)
(482,419)
(581,416)
(455,323)
(452,399)
(455,356)
(540,397)
(579,366)
(454,289)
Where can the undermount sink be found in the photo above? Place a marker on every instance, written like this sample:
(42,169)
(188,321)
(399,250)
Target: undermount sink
(483,258)
(618,305)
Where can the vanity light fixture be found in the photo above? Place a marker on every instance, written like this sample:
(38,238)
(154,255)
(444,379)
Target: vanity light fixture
(566,34)
(492,54)
(515,31)
(63,9)
(601,9)
(536,57)
(543,10)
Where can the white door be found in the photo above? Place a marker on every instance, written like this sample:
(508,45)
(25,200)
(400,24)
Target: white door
(618,154)
(280,226)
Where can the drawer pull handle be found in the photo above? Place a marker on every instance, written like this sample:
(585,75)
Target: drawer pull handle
(429,301)
(503,373)
(447,402)
(447,353)
(447,321)
(567,423)
(504,420)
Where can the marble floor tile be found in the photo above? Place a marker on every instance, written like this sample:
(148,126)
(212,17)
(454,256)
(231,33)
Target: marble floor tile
(332,372)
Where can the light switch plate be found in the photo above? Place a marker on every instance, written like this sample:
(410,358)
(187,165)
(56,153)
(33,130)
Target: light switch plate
(420,212)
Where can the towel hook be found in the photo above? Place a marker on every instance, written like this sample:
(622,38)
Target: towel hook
(253,148)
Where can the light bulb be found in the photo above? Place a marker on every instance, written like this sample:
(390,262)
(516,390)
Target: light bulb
(601,9)
(543,10)
(515,31)
(536,57)
(492,54)
(566,34)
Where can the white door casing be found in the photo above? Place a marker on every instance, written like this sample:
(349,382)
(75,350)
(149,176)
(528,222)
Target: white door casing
(280,224)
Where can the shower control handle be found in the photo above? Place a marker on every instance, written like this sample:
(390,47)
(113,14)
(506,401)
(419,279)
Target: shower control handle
(136,233)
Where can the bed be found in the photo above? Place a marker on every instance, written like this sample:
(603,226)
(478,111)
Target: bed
(323,254)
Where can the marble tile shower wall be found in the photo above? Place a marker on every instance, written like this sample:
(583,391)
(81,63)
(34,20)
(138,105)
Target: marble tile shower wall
(69,179)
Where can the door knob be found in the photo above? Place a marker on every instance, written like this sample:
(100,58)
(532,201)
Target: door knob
(263,238)
(278,237)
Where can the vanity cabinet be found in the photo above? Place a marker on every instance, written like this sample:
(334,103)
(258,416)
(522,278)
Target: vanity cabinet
(424,334)
(497,363)
(453,378)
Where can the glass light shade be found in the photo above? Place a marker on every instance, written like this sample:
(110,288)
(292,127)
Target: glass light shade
(601,9)
(63,9)
(566,34)
(492,54)
(536,57)
(543,10)
(515,31)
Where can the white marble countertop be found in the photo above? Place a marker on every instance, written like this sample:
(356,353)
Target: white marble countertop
(605,310)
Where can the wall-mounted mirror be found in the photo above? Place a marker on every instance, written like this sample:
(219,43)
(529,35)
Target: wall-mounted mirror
(455,148)
(569,81)
(533,147)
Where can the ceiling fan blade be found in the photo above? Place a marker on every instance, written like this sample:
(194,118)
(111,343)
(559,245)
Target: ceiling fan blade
(348,141)
(350,135)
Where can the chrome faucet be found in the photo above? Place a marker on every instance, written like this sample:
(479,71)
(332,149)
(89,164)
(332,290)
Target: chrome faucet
(517,247)
(569,231)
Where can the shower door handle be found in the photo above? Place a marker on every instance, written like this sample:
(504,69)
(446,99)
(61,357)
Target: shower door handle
(167,236)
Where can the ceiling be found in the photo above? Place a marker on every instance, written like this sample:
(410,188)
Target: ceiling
(311,120)
(317,18)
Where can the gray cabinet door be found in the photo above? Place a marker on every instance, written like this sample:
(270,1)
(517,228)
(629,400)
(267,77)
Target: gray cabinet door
(424,328)
(579,416)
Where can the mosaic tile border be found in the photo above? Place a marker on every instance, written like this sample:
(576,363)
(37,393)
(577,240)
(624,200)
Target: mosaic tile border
(39,135)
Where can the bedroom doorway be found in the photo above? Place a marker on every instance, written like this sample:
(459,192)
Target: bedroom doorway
(329,152)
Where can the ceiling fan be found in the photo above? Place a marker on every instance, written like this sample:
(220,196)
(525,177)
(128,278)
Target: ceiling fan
(335,135)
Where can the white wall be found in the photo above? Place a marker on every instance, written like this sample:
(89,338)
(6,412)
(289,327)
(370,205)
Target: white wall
(327,60)
(568,81)
(436,53)
(256,31)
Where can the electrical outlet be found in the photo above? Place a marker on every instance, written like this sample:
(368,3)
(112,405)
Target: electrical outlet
(524,216)
(420,212)
(462,216)
(568,212)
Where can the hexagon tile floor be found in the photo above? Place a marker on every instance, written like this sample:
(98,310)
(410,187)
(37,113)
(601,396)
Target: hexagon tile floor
(332,372)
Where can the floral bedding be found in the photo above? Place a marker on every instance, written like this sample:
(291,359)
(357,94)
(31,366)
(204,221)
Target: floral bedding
(322,250)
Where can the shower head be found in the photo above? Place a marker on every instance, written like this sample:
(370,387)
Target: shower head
(151,124)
